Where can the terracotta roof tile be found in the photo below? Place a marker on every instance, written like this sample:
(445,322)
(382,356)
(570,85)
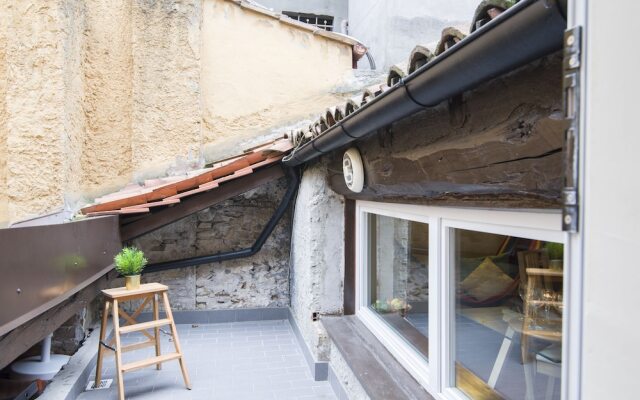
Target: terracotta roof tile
(419,57)
(160,192)
(450,36)
(118,212)
(351,106)
(397,72)
(488,10)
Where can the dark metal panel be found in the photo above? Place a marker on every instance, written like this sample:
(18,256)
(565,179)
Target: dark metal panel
(197,203)
(22,338)
(41,266)
(571,100)
(349,257)
(25,336)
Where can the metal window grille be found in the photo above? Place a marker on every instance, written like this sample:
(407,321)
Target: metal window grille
(321,21)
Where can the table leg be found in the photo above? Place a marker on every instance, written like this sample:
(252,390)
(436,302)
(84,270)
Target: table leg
(176,341)
(529,377)
(156,330)
(103,334)
(500,359)
(116,334)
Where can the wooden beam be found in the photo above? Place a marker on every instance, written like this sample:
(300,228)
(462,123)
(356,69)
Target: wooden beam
(22,338)
(199,202)
(499,145)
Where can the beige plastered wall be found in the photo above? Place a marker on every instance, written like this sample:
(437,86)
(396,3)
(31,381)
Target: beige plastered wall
(3,113)
(259,72)
(96,93)
(34,135)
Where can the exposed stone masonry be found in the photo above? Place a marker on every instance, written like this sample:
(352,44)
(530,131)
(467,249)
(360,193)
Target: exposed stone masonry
(318,258)
(258,281)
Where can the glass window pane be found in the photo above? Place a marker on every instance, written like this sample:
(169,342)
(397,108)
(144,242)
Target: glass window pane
(399,276)
(508,324)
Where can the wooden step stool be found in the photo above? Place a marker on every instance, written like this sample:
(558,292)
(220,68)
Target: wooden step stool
(148,292)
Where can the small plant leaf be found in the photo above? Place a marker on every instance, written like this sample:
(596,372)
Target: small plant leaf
(130,261)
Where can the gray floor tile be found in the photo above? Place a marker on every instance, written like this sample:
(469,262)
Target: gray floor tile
(231,360)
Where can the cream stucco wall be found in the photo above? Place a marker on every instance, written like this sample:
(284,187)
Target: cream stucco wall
(107,73)
(166,82)
(94,93)
(36,138)
(260,72)
(4,22)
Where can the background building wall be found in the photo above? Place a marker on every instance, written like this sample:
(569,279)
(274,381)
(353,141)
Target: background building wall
(166,110)
(107,74)
(74,15)
(392,28)
(39,63)
(96,93)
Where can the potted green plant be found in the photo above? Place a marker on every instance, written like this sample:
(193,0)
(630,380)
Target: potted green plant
(556,255)
(391,306)
(129,263)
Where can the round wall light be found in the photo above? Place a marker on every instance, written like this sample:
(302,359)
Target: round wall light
(353,170)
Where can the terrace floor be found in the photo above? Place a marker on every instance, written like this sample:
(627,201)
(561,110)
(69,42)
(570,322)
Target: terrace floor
(239,360)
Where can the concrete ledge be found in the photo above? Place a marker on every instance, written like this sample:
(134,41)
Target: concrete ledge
(336,386)
(319,369)
(379,373)
(73,378)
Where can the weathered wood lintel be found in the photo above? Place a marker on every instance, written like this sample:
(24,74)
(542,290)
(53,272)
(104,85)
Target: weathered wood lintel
(498,146)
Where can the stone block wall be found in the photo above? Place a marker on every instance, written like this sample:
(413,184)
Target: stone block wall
(254,282)
(317,257)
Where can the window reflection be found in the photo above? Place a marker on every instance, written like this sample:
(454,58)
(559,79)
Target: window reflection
(399,276)
(508,324)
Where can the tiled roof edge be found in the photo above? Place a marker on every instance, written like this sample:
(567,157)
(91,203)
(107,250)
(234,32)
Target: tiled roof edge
(420,58)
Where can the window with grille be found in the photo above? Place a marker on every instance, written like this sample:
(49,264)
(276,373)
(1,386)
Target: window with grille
(321,21)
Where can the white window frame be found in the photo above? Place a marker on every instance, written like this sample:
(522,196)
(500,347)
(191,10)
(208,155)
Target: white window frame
(414,363)
(437,375)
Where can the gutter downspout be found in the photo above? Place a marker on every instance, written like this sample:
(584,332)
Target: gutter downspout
(525,32)
(293,176)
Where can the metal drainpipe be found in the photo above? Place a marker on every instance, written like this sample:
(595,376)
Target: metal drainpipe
(293,176)
(527,31)
(372,63)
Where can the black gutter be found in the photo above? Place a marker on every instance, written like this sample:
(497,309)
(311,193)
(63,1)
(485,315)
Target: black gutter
(527,31)
(293,176)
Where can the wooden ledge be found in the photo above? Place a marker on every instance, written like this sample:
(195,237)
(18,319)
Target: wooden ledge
(146,288)
(379,373)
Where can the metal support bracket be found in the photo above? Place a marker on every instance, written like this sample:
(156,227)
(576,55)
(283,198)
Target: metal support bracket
(571,97)
(107,346)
